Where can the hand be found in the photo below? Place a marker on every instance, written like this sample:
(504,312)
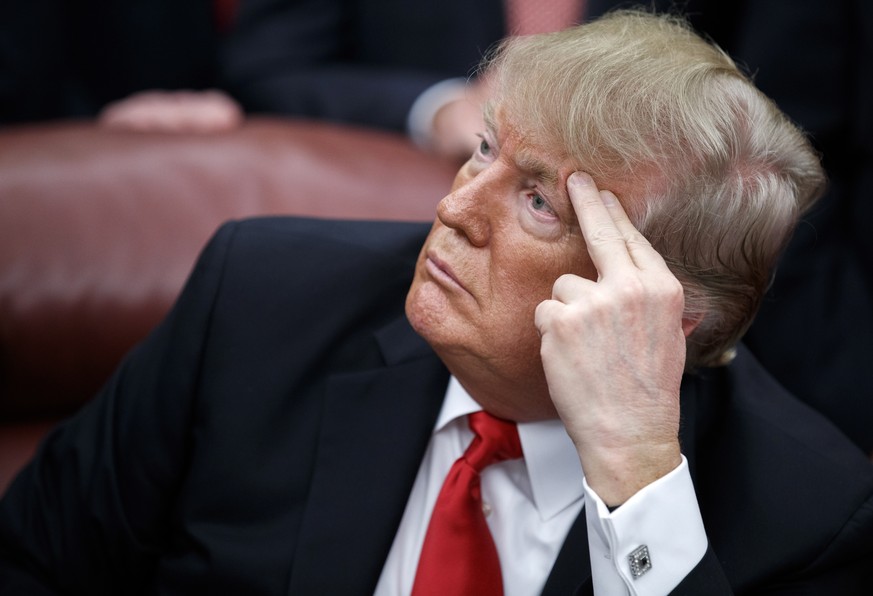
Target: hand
(613,351)
(456,124)
(173,111)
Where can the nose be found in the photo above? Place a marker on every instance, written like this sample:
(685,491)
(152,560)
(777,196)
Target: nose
(467,210)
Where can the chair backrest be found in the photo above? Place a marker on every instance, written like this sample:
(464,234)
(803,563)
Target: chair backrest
(99,229)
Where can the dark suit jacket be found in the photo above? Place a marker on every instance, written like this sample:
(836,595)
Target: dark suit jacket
(361,61)
(264,440)
(61,59)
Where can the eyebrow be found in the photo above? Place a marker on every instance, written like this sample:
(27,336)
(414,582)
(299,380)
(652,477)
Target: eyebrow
(540,169)
(525,161)
(488,117)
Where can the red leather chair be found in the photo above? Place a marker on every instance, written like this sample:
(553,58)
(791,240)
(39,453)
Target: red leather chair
(98,230)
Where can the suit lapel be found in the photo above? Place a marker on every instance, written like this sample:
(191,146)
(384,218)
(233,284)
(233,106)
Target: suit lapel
(375,429)
(571,573)
(701,409)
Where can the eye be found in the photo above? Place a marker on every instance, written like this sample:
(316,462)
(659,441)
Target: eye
(538,203)
(484,151)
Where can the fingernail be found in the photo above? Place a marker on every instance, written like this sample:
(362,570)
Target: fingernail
(608,198)
(580,179)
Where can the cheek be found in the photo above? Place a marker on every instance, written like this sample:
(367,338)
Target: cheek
(512,312)
(529,282)
(463,176)
(531,272)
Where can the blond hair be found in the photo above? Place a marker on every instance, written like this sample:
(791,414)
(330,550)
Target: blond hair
(710,170)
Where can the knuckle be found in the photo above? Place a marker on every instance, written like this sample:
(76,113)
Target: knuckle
(603,235)
(566,283)
(669,292)
(671,288)
(631,289)
(640,288)
(542,313)
(635,238)
(565,279)
(572,320)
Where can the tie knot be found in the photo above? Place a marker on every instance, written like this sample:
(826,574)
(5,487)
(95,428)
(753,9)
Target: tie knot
(496,440)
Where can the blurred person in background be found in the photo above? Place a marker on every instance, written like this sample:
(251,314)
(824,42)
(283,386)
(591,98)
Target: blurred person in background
(407,67)
(62,59)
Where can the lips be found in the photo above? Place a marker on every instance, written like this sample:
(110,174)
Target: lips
(441,271)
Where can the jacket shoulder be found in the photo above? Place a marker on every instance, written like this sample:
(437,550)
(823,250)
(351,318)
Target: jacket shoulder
(780,487)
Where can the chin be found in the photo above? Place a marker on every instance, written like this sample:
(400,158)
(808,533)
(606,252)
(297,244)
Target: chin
(420,315)
(431,316)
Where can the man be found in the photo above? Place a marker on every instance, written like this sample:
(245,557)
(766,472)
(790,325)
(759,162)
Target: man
(287,429)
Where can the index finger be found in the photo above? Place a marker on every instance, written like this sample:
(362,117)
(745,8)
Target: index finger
(606,244)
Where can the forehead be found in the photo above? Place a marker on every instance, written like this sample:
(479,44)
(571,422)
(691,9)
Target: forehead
(528,147)
(543,153)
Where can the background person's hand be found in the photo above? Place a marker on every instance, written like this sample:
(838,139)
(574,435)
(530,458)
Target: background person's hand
(173,111)
(613,351)
(457,124)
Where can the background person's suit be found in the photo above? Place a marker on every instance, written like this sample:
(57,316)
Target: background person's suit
(62,59)
(361,62)
(265,438)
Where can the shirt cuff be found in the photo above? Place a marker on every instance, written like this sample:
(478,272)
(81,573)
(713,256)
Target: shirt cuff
(649,544)
(419,123)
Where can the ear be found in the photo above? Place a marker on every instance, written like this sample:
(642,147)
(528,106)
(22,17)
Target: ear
(690,323)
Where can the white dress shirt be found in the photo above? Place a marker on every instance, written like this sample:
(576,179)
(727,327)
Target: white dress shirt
(532,503)
(420,120)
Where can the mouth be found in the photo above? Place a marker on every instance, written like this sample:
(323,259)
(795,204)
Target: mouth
(442,272)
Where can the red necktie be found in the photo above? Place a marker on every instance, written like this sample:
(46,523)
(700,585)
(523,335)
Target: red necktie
(526,17)
(458,556)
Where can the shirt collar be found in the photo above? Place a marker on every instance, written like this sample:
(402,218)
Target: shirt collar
(550,457)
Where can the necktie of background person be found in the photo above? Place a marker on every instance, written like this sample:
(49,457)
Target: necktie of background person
(527,17)
(458,556)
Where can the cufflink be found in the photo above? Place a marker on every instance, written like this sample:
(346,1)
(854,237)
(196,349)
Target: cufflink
(639,561)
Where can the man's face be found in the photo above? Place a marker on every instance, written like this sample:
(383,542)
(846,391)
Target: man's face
(501,238)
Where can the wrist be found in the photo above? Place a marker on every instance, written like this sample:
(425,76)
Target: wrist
(616,474)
